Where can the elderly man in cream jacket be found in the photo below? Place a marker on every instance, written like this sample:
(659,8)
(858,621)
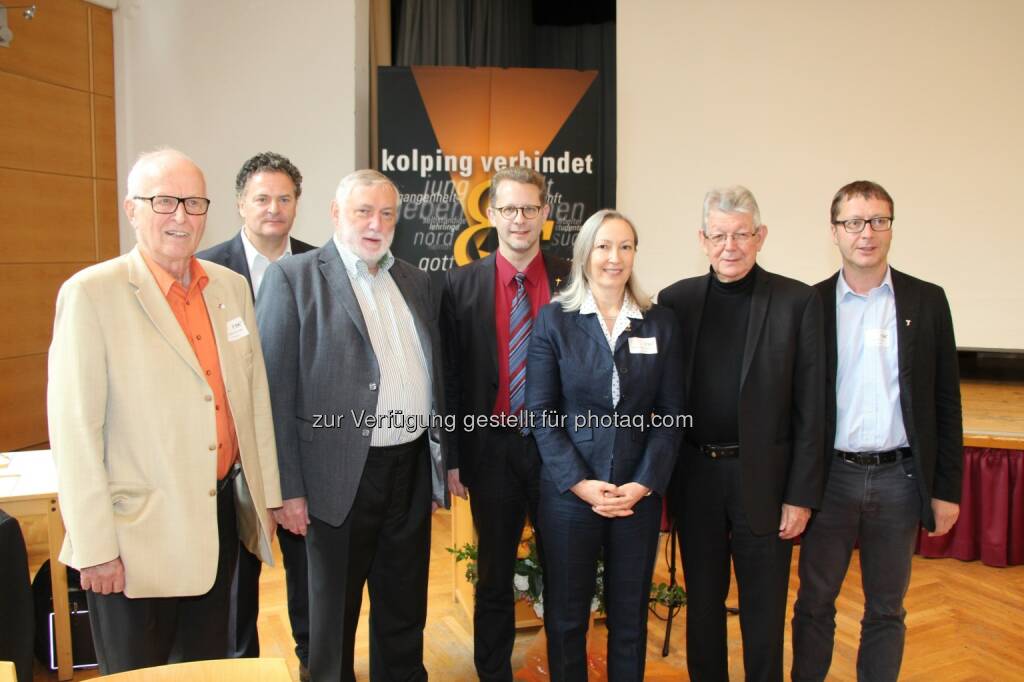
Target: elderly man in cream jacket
(161,429)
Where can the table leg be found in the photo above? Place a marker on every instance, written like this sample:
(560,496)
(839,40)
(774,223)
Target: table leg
(59,583)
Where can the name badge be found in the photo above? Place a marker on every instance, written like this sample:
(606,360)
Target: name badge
(877,338)
(236,329)
(648,346)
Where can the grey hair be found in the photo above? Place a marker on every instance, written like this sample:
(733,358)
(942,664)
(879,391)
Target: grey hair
(364,178)
(575,292)
(145,161)
(734,199)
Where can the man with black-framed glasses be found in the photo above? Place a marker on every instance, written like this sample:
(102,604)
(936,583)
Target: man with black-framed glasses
(160,427)
(749,471)
(487,312)
(893,443)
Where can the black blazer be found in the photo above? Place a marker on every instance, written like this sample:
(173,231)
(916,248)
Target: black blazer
(782,397)
(569,373)
(471,350)
(929,385)
(231,254)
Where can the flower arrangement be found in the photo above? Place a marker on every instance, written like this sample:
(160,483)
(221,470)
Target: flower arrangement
(528,578)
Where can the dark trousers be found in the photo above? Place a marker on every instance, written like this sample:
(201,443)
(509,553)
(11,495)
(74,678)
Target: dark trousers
(505,490)
(243,639)
(575,538)
(879,506)
(385,542)
(713,527)
(139,633)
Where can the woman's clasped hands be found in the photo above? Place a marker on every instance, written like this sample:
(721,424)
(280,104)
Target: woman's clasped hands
(609,500)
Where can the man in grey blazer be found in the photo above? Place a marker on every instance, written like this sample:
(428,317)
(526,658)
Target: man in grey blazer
(353,362)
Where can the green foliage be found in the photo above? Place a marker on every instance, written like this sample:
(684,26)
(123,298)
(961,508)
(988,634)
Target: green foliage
(528,580)
(664,595)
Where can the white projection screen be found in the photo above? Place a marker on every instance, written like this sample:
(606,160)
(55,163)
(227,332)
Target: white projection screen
(796,98)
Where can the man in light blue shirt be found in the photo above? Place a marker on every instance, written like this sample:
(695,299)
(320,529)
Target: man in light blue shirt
(894,439)
(867,379)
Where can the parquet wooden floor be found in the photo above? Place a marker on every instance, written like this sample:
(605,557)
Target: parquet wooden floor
(965,622)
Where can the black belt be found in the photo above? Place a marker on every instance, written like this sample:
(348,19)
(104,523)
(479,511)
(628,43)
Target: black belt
(873,458)
(235,469)
(402,448)
(725,451)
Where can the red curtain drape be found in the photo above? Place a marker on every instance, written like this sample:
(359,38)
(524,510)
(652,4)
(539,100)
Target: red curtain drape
(991,523)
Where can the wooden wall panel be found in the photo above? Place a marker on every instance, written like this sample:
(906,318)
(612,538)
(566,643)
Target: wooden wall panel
(106,158)
(45,127)
(28,294)
(108,210)
(58,189)
(47,218)
(23,402)
(53,47)
(102,23)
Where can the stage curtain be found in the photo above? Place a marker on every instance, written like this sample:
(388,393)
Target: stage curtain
(991,523)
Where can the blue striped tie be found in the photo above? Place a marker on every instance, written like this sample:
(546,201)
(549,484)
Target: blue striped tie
(520,326)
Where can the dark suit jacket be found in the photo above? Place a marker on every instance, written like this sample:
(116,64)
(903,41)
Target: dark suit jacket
(471,351)
(320,362)
(781,402)
(569,372)
(231,254)
(929,385)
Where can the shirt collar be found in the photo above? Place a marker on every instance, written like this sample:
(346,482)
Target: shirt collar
(629,307)
(355,265)
(507,272)
(166,281)
(842,288)
(252,253)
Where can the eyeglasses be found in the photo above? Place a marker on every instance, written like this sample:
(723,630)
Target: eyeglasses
(720,238)
(510,212)
(165,204)
(856,225)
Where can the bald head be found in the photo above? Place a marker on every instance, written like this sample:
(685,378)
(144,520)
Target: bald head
(166,204)
(158,162)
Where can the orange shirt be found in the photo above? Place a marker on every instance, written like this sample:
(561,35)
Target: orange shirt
(189,308)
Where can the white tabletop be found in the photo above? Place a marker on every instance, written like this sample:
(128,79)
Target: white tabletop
(27,475)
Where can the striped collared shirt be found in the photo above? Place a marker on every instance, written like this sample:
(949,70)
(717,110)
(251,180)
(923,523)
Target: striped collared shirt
(404,403)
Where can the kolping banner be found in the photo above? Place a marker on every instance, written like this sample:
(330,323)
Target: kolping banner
(444,131)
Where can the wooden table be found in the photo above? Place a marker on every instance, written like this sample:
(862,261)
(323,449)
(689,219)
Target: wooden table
(28,487)
(230,670)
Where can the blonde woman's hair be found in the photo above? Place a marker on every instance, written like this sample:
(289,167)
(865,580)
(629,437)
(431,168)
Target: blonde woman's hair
(575,292)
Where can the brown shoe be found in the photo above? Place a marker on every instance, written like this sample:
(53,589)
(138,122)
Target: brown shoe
(303,673)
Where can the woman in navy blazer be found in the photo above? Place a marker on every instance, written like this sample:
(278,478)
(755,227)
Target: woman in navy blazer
(603,389)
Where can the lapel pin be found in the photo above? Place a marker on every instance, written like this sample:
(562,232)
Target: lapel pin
(908,322)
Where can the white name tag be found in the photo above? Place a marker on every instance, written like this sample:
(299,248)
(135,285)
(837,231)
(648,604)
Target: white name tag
(236,329)
(877,338)
(647,346)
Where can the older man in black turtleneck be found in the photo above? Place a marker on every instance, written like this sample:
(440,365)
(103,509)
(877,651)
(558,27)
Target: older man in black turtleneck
(750,469)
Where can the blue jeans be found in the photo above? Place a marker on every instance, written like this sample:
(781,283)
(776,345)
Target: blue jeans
(879,506)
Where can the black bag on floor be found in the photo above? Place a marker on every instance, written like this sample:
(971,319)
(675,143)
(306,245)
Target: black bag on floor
(83,654)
